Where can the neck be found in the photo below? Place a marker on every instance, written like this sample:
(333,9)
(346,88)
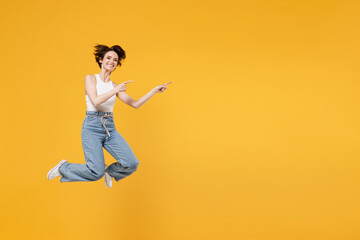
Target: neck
(105,75)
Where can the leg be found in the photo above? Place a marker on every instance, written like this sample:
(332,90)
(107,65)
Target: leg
(126,163)
(94,168)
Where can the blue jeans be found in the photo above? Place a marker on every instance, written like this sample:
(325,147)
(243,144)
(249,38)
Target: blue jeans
(98,131)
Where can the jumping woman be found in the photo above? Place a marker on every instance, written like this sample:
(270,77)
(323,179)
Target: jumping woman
(98,128)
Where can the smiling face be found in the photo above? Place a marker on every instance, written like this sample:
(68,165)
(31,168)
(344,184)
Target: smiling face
(110,60)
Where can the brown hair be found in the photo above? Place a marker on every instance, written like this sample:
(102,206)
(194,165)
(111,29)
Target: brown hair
(101,50)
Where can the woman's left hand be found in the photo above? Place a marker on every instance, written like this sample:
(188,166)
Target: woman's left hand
(161,88)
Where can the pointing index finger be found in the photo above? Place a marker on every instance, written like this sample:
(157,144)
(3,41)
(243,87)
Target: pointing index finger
(128,81)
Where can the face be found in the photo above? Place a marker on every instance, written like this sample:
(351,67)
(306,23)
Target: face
(110,61)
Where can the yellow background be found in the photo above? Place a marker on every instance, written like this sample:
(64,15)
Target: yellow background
(256,138)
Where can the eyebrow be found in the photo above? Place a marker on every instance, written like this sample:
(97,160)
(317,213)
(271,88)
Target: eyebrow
(110,56)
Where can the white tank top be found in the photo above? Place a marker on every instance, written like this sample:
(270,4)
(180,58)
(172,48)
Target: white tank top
(101,88)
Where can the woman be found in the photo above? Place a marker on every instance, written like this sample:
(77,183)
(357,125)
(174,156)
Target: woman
(98,129)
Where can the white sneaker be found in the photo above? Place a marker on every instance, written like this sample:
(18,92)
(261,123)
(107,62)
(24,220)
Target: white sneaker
(54,172)
(108,178)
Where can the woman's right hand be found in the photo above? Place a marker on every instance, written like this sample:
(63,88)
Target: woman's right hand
(122,86)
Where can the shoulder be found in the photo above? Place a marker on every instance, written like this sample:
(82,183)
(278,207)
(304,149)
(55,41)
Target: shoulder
(90,78)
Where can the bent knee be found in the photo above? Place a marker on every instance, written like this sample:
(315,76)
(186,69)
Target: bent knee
(96,175)
(134,164)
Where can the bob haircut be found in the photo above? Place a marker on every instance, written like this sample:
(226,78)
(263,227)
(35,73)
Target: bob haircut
(101,50)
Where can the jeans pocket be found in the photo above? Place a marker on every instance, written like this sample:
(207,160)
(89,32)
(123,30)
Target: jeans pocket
(89,117)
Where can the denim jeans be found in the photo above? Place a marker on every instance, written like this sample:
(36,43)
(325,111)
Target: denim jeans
(98,131)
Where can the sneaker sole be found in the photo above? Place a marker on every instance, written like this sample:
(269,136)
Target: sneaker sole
(106,182)
(52,170)
(106,166)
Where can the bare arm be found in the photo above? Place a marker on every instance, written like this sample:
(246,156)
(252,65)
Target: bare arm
(90,90)
(138,103)
(132,102)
